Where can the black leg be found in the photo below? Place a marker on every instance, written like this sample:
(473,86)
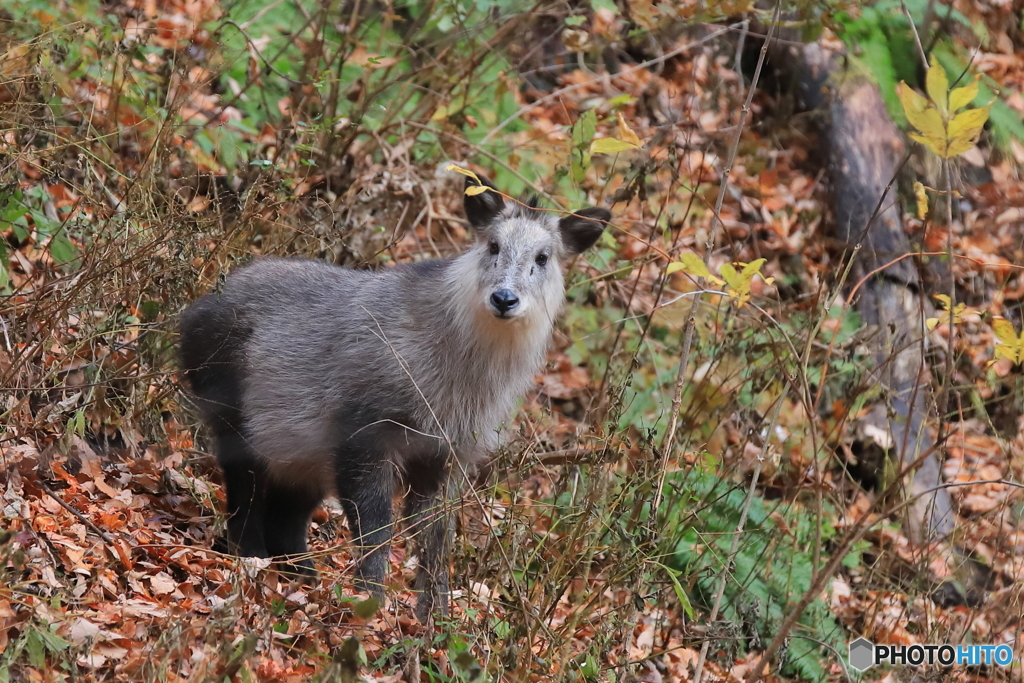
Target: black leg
(244,480)
(286,522)
(432,490)
(366,493)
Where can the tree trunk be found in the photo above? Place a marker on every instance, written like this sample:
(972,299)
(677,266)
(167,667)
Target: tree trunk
(864,151)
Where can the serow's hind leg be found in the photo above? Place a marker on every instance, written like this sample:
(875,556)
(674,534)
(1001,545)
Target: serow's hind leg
(245,482)
(285,524)
(365,494)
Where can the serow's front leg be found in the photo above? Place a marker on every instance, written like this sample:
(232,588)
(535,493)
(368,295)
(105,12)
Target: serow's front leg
(287,512)
(245,485)
(429,505)
(366,497)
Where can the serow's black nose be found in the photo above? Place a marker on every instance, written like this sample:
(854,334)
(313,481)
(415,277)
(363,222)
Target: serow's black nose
(504,300)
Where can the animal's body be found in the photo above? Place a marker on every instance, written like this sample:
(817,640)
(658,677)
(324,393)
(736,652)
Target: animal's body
(317,379)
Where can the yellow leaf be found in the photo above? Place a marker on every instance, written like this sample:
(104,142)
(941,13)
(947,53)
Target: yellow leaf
(474,190)
(958,147)
(961,97)
(968,123)
(731,277)
(936,145)
(930,123)
(944,317)
(739,283)
(1004,331)
(626,133)
(913,104)
(937,85)
(1009,345)
(753,268)
(691,264)
(922,200)
(440,114)
(611,146)
(463,171)
(964,130)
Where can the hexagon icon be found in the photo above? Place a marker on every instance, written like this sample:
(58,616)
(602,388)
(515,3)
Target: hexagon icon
(862,654)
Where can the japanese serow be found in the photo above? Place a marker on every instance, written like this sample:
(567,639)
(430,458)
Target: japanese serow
(316,379)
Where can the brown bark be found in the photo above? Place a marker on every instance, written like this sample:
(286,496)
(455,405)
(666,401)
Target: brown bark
(864,153)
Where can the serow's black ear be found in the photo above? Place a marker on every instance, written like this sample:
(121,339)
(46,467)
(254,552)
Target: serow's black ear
(482,208)
(581,229)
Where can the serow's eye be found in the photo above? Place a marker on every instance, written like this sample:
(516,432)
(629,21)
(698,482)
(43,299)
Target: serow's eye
(494,248)
(542,259)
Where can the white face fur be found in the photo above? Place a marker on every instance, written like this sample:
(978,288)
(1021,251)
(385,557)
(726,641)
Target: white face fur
(517,260)
(519,265)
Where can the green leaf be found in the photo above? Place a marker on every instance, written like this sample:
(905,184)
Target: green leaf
(13,209)
(367,608)
(590,667)
(34,649)
(584,128)
(881,54)
(61,248)
(76,425)
(5,278)
(684,600)
(577,171)
(44,225)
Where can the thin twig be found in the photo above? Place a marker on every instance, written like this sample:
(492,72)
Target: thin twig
(668,443)
(256,51)
(576,86)
(107,538)
(917,38)
(734,547)
(867,520)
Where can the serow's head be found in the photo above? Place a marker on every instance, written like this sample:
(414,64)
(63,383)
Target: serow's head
(520,250)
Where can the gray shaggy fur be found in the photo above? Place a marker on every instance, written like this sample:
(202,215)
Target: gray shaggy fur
(316,379)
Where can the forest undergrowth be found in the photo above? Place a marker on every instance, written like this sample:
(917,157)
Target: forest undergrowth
(676,487)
